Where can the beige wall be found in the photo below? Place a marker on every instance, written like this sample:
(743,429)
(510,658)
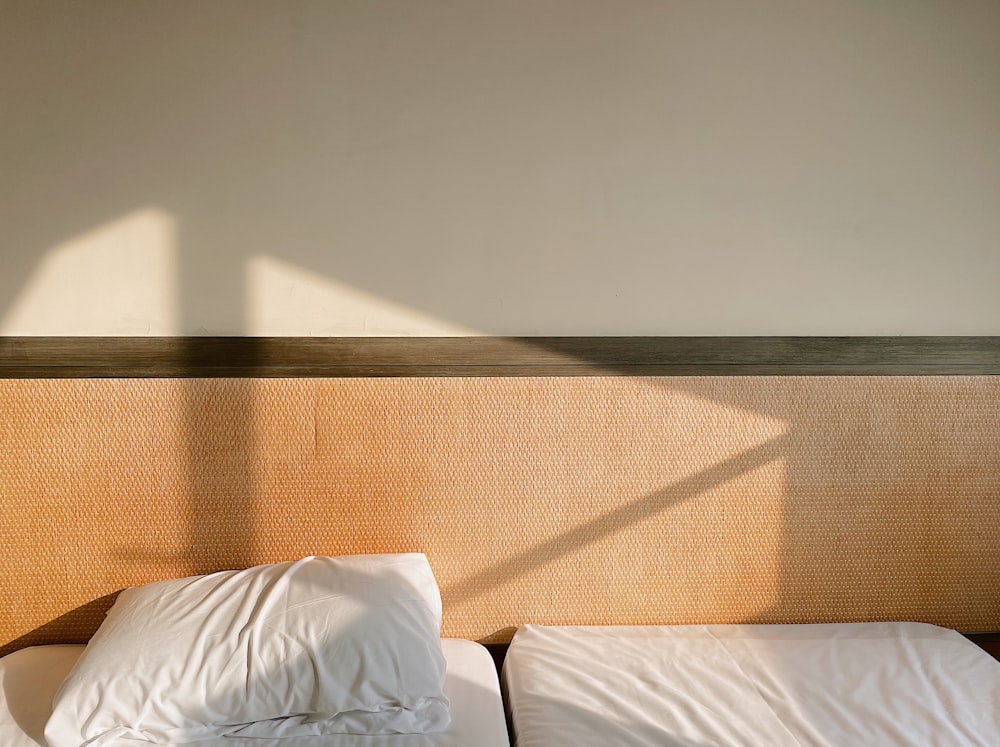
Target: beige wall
(556,167)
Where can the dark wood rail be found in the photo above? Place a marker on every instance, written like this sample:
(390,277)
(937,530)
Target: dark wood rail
(289,357)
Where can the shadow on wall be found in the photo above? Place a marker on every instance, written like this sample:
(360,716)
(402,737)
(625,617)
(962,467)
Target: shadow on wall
(612,522)
(528,169)
(603,500)
(871,503)
(76,626)
(545,169)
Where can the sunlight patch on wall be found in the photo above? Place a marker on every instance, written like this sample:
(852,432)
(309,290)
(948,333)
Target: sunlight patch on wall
(284,299)
(678,499)
(120,279)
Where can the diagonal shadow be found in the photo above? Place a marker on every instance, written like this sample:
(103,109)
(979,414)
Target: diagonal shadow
(239,209)
(614,521)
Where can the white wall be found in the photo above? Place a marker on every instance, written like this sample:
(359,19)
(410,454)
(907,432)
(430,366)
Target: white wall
(323,167)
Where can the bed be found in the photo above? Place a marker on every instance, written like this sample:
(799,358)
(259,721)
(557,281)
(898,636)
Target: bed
(818,685)
(30,677)
(338,651)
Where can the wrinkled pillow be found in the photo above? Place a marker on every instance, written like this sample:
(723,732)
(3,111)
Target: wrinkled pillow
(347,645)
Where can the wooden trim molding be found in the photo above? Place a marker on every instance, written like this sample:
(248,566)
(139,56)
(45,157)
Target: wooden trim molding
(297,357)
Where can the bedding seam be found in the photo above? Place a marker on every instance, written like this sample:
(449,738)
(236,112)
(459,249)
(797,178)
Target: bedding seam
(753,684)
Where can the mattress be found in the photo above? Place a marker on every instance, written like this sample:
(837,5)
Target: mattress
(29,678)
(803,685)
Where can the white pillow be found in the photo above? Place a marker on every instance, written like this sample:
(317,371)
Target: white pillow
(316,646)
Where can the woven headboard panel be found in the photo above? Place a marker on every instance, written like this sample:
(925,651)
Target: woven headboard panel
(601,499)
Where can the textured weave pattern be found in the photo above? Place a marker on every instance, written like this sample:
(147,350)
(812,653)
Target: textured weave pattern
(605,500)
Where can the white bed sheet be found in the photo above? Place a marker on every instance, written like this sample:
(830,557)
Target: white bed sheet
(29,679)
(841,685)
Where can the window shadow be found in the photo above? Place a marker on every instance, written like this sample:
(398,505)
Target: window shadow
(611,522)
(243,156)
(76,626)
(222,465)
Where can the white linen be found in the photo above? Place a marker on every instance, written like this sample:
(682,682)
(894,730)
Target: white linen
(29,679)
(838,685)
(315,646)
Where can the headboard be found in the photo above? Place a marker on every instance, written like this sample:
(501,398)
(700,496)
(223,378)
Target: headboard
(549,480)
